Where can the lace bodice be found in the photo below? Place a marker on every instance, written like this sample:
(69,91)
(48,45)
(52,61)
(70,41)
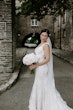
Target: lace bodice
(40,52)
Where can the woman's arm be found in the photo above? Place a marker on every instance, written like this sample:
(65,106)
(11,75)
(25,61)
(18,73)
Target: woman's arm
(47,55)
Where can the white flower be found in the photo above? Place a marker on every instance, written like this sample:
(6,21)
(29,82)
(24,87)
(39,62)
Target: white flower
(30,58)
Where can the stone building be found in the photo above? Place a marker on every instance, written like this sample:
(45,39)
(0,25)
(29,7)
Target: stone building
(61,28)
(27,25)
(63,32)
(7,40)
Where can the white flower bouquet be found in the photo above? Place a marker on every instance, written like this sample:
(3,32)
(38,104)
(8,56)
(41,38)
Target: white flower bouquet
(29,59)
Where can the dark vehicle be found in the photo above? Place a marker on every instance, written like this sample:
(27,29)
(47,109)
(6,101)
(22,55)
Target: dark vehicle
(31,40)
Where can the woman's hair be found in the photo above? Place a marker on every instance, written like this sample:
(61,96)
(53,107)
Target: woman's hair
(45,30)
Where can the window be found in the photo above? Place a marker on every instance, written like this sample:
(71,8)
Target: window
(34,22)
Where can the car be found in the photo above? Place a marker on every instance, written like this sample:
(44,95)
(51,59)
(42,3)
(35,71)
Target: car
(31,40)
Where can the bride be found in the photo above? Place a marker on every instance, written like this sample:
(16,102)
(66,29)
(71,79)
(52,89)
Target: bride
(44,95)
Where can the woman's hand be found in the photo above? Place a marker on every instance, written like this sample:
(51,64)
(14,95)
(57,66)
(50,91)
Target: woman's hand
(32,66)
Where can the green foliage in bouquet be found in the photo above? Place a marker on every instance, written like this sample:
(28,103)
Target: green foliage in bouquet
(32,71)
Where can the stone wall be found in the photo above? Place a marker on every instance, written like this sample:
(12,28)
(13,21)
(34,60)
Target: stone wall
(63,33)
(23,25)
(7,40)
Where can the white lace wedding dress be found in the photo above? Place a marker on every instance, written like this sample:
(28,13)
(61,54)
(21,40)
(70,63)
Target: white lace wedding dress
(43,95)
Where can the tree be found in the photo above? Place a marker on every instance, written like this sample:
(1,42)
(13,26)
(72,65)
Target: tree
(39,8)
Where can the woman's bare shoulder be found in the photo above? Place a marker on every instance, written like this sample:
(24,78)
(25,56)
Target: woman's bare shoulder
(46,45)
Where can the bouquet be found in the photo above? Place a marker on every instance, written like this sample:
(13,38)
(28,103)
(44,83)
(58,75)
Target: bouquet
(29,59)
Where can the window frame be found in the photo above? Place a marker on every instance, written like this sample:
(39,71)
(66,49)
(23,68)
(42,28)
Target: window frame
(34,22)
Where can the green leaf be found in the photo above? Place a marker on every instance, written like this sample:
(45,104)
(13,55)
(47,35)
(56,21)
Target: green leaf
(32,71)
(39,8)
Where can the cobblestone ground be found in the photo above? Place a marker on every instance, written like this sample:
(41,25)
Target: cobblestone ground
(16,98)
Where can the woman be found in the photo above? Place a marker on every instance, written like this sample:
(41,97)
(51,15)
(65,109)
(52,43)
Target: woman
(44,95)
